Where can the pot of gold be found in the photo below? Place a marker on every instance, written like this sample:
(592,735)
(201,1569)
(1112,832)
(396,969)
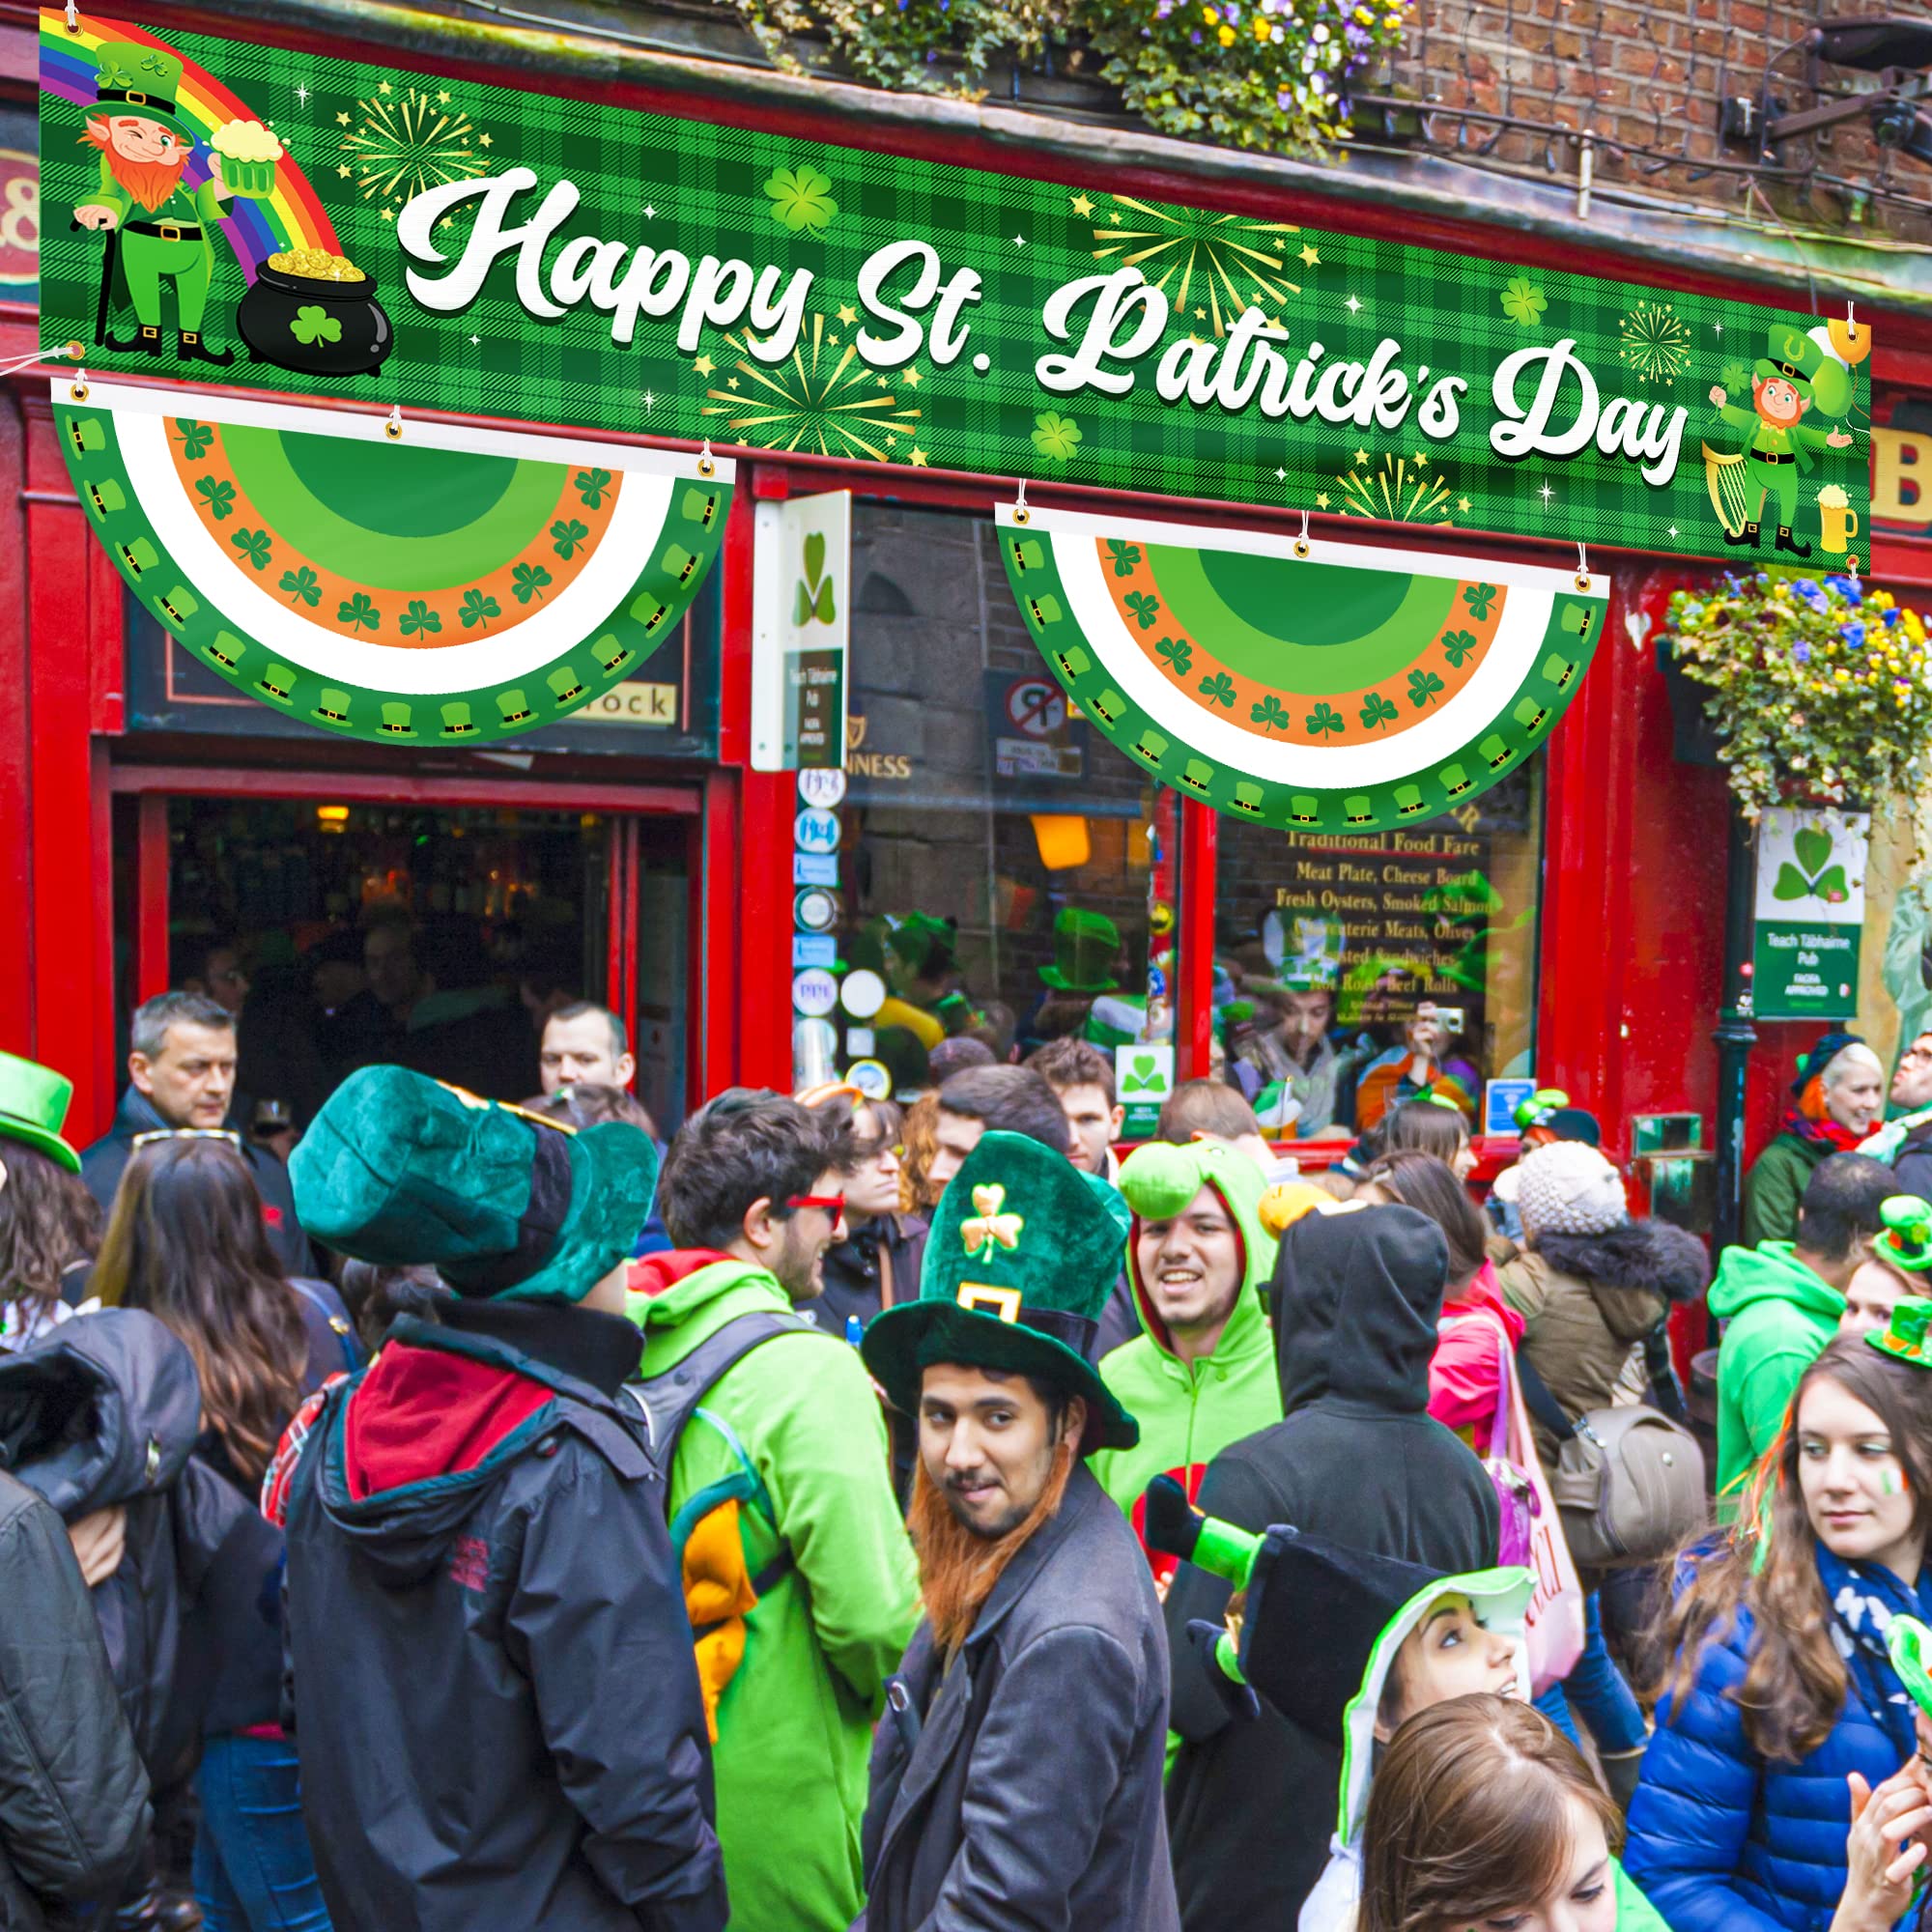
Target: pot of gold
(248,154)
(316,313)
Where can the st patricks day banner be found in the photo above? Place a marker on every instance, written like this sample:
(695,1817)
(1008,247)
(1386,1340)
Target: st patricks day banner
(285,220)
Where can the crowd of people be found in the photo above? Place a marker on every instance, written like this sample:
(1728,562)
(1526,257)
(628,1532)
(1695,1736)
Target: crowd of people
(455,1505)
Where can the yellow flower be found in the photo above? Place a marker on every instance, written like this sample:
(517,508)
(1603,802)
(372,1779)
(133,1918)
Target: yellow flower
(1260,27)
(1227,35)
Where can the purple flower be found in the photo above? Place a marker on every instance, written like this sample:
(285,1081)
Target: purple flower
(1195,37)
(1801,652)
(1854,634)
(1893,617)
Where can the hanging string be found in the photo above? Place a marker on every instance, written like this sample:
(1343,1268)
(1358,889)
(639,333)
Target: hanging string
(708,464)
(1021,514)
(73,18)
(1301,543)
(67,352)
(393,428)
(1582,566)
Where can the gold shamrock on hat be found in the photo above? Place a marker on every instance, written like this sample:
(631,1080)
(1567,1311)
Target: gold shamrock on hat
(990,1228)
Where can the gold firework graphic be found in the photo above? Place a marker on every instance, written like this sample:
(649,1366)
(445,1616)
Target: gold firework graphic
(1399,492)
(818,401)
(417,141)
(1217,265)
(1653,343)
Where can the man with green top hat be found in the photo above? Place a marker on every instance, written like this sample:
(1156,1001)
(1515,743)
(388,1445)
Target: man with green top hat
(1017,1776)
(156,225)
(492,1670)
(1783,384)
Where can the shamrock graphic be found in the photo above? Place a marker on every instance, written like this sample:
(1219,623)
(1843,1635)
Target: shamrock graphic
(1457,646)
(1424,686)
(811,595)
(1179,653)
(1268,714)
(1143,1075)
(195,437)
(254,545)
(302,585)
(1812,846)
(1479,597)
(1124,557)
(1145,605)
(590,486)
(478,608)
(990,1228)
(1219,690)
(802,199)
(1055,436)
(314,324)
(1322,720)
(1523,302)
(221,497)
(529,581)
(1377,714)
(1737,375)
(359,612)
(567,536)
(420,617)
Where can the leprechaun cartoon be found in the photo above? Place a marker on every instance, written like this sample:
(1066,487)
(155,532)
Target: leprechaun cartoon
(1793,375)
(157,226)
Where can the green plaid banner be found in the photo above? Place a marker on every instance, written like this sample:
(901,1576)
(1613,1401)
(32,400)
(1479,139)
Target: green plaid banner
(482,249)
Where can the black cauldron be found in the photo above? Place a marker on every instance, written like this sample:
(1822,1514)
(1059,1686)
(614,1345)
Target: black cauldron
(315,327)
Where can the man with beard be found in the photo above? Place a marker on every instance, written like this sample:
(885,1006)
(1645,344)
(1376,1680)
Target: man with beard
(157,224)
(798,1575)
(1016,1779)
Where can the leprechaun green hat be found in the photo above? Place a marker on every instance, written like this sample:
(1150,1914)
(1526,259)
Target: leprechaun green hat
(133,79)
(1908,1640)
(32,1108)
(1024,1251)
(1904,1338)
(1791,353)
(506,1205)
(1085,945)
(1906,1241)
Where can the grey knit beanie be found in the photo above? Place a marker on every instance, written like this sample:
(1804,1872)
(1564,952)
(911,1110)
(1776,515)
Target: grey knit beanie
(1568,1188)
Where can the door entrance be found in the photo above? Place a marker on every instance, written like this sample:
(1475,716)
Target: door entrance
(436,925)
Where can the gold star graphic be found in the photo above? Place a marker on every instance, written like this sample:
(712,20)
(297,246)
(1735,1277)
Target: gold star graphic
(483,140)
(704,365)
(1199,315)
(730,381)
(1421,458)
(447,222)
(847,314)
(342,119)
(912,377)
(891,435)
(342,168)
(443,97)
(1321,501)
(1463,504)
(1362,457)
(388,215)
(1082,207)
(1310,255)
(918,458)
(385,88)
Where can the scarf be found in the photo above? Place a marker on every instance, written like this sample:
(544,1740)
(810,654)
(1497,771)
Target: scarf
(1864,1598)
(1834,1134)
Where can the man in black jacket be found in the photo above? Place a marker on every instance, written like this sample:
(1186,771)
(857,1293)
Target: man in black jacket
(73,1797)
(1356,1457)
(495,1695)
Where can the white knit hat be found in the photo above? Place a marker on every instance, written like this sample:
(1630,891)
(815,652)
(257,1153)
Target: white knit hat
(1568,1188)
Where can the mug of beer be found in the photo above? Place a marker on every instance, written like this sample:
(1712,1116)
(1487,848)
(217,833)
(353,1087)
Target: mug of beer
(248,154)
(1838,519)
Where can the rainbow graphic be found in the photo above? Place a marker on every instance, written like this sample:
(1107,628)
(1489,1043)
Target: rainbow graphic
(292,217)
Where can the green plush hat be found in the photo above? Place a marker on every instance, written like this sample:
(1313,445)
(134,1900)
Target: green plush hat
(1535,1110)
(1023,1253)
(1903,1338)
(1907,1639)
(32,1108)
(1906,1241)
(1085,945)
(508,1206)
(926,944)
(1791,353)
(133,79)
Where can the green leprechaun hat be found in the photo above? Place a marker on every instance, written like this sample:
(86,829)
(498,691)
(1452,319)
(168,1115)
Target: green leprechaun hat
(1906,1241)
(398,1169)
(133,79)
(1791,353)
(32,1108)
(1534,1110)
(1085,945)
(1904,1338)
(1023,1253)
(1908,1639)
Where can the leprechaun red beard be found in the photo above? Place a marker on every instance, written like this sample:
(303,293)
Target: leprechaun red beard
(149,183)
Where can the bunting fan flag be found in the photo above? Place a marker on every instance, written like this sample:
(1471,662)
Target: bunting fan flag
(1302,683)
(398,580)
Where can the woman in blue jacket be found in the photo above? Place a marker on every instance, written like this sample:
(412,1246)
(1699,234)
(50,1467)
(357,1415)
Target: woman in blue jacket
(1782,1691)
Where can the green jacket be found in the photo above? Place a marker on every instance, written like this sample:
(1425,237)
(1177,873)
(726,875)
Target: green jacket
(185,205)
(795,1722)
(1777,1178)
(1780,1317)
(1188,1413)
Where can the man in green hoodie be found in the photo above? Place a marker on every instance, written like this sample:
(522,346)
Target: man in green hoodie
(1202,1375)
(1781,1302)
(799,1575)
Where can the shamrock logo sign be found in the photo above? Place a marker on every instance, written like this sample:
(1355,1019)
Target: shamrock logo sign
(811,600)
(1814,876)
(1143,1075)
(990,1228)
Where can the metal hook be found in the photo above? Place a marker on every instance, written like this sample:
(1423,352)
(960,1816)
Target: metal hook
(1301,544)
(1021,514)
(393,428)
(708,464)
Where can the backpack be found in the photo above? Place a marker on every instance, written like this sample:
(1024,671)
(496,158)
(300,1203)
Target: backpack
(1629,1481)
(717,1592)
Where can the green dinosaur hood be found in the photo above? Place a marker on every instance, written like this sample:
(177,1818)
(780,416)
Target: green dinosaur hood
(1771,1271)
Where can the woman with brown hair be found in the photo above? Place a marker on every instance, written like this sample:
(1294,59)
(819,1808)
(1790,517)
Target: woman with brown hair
(1483,1815)
(48,1223)
(876,1259)
(1781,1700)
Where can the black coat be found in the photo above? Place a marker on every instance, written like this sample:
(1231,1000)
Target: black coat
(103,1165)
(1356,1457)
(73,1797)
(853,1273)
(494,1692)
(1911,1169)
(1022,1786)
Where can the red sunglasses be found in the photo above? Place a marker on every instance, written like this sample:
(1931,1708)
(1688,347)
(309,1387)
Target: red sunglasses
(833,1203)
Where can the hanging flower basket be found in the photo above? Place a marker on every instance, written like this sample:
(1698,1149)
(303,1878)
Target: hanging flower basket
(1819,689)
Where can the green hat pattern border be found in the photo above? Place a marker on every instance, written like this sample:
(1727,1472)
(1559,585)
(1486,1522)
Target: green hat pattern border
(677,561)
